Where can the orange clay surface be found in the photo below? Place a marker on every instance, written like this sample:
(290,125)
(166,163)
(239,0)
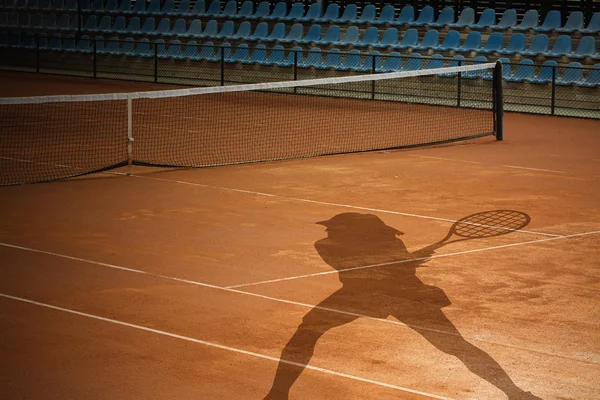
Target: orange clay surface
(218,283)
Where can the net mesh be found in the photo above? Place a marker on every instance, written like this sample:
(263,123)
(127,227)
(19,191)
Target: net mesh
(48,138)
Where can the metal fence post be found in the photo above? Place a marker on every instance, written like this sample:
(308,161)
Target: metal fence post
(459,89)
(155,62)
(553,101)
(222,66)
(373,71)
(498,100)
(95,58)
(295,69)
(37,55)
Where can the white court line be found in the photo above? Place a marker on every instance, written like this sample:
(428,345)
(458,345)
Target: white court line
(534,169)
(228,348)
(333,310)
(445,159)
(298,199)
(481,163)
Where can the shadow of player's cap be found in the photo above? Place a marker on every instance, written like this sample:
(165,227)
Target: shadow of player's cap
(358,222)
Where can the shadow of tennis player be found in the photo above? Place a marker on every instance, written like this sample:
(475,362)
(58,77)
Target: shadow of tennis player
(354,240)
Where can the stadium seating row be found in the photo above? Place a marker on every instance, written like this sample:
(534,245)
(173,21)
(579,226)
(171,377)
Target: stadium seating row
(407,15)
(333,36)
(352,61)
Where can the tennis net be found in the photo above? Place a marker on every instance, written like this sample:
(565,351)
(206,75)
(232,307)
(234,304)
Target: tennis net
(55,137)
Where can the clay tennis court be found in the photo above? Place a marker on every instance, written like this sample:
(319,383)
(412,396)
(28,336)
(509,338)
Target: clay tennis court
(220,283)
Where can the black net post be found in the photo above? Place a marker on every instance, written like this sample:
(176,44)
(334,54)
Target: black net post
(459,83)
(498,101)
(553,100)
(222,53)
(155,62)
(373,71)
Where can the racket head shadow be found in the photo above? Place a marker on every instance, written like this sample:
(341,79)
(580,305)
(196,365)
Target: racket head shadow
(490,224)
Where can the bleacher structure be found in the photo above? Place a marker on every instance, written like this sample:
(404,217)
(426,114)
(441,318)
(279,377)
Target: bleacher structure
(550,53)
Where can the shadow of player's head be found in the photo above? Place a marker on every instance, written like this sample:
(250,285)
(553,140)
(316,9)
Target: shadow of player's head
(359,226)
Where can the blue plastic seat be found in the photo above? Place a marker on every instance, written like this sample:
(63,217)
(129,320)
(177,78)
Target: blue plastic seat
(229,10)
(103,26)
(313,34)
(391,63)
(530,20)
(551,22)
(261,32)
(414,62)
(211,29)
(479,73)
(207,53)
(508,20)
(164,26)
(261,10)
(195,29)
(244,30)
(472,43)
(410,39)
(351,61)
(425,17)
(241,54)
(436,61)
(141,49)
(574,23)
(295,34)
(190,50)
(128,47)
(277,33)
(179,28)
(182,9)
(456,61)
(173,51)
(28,40)
(515,45)
(407,15)
(370,37)
(83,45)
(214,9)
(544,76)
(227,30)
(494,43)
(332,60)
(487,19)
(139,7)
(93,5)
(64,23)
(111,46)
(313,58)
(294,56)
(562,46)
(91,23)
(592,79)
(168,8)
(431,39)
(152,8)
(389,38)
(332,35)
(466,18)
(350,12)
(451,41)
(350,37)
(367,15)
(68,43)
(297,11)
(331,13)
(275,57)
(572,74)
(524,72)
(222,52)
(56,4)
(313,13)
(198,9)
(445,18)
(50,21)
(538,45)
(123,8)
(585,48)
(280,10)
(593,25)
(371,63)
(149,26)
(246,9)
(386,16)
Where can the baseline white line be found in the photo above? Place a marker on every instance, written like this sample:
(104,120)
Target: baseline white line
(534,169)
(289,278)
(445,159)
(298,199)
(227,348)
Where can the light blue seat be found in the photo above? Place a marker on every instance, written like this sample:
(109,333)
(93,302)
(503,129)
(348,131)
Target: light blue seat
(407,15)
(50,21)
(351,62)
(227,29)
(506,68)
(370,37)
(332,60)
(530,20)
(508,20)
(515,45)
(367,15)
(350,13)
(103,26)
(194,30)
(592,79)
(118,26)
(127,47)
(160,48)
(124,7)
(279,11)
(294,56)
(207,53)
(572,74)
(198,9)
(386,16)
(164,26)
(168,8)
(562,46)
(451,41)
(350,37)
(445,18)
(456,61)
(275,57)
(149,26)
(410,39)
(152,8)
(313,13)
(111,46)
(466,18)
(313,58)
(214,9)
(68,43)
(190,50)
(313,34)
(64,23)
(244,30)
(222,52)
(179,28)
(332,35)
(229,10)
(436,61)
(139,7)
(472,43)
(143,49)
(210,29)
(425,17)
(371,63)
(261,10)
(91,23)
(551,22)
(538,45)
(173,51)
(277,33)
(295,34)
(261,32)
(391,63)
(182,9)
(574,23)
(494,43)
(593,25)
(524,72)
(246,9)
(389,38)
(241,54)
(297,11)
(479,73)
(28,40)
(93,5)
(431,39)
(585,48)
(544,76)
(414,62)
(331,13)
(487,19)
